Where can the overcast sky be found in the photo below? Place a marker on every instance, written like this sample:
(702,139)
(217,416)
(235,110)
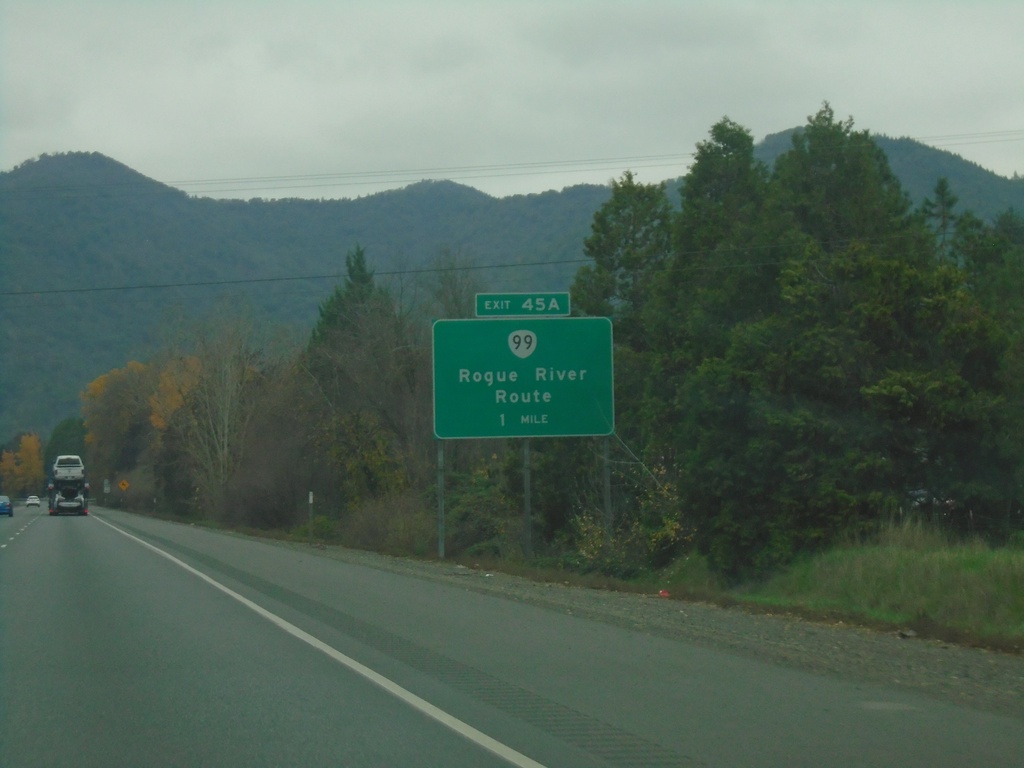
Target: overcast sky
(341,98)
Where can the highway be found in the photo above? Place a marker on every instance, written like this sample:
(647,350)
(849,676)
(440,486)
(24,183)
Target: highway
(128,641)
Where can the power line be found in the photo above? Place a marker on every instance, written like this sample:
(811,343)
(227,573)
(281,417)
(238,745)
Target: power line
(503,170)
(290,278)
(400,176)
(364,180)
(751,250)
(1016,134)
(472,171)
(411,175)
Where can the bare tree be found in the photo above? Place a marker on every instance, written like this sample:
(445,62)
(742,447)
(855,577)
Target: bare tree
(454,286)
(227,359)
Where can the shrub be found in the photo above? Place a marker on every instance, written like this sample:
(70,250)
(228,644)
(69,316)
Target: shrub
(480,519)
(324,529)
(397,524)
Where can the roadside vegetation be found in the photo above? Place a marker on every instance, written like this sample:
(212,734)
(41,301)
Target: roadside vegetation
(910,578)
(819,404)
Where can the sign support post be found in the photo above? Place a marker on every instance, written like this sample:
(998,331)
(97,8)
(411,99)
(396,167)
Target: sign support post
(609,516)
(527,507)
(440,499)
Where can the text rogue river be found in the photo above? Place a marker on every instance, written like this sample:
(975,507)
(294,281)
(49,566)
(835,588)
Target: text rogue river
(545,375)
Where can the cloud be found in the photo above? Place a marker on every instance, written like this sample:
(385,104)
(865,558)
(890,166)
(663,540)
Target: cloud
(183,90)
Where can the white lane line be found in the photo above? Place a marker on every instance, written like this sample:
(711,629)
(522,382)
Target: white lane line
(422,705)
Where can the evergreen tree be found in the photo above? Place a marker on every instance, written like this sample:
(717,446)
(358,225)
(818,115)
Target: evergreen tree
(368,370)
(630,240)
(803,393)
(722,272)
(341,309)
(939,213)
(836,185)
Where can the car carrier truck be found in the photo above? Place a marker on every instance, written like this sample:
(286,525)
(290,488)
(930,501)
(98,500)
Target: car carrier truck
(68,488)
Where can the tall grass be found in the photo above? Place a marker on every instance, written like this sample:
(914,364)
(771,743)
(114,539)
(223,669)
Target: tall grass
(910,575)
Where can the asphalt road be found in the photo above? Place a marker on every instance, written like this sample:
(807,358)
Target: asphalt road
(126,641)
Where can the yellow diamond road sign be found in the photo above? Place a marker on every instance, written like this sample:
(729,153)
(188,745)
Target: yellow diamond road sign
(123,485)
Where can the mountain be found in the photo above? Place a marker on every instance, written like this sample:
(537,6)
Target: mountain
(95,257)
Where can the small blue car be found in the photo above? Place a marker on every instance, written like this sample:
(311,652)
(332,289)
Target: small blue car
(6,507)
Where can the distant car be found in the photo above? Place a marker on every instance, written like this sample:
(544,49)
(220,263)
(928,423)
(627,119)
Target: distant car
(32,501)
(6,507)
(68,468)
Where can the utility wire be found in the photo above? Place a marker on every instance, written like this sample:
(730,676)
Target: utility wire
(474,171)
(406,176)
(722,254)
(400,176)
(411,175)
(289,278)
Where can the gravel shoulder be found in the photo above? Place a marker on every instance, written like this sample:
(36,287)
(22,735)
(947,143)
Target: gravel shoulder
(973,677)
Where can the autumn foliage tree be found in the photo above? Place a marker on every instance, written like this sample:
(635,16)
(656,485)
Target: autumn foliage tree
(31,473)
(8,471)
(115,409)
(21,470)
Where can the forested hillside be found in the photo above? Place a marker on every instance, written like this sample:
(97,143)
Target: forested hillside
(95,259)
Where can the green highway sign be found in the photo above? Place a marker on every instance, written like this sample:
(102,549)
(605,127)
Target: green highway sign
(522,304)
(523,377)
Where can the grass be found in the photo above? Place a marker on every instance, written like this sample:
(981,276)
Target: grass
(913,578)
(909,577)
